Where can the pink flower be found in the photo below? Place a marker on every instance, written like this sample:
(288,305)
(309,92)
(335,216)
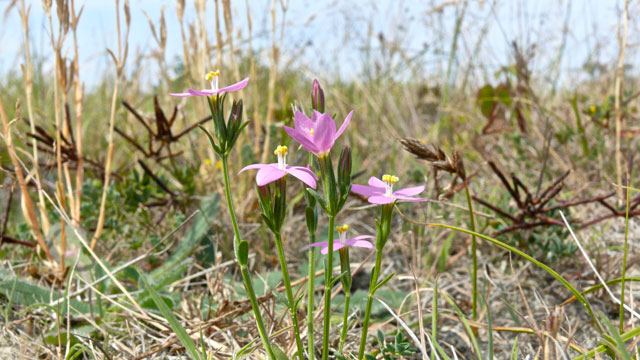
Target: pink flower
(269,173)
(213,78)
(357,241)
(318,134)
(381,192)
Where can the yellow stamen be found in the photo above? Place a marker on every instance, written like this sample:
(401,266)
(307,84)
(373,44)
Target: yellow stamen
(342,229)
(212,74)
(311,132)
(281,150)
(392,179)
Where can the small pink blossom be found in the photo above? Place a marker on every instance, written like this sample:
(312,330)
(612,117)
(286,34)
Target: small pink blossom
(214,90)
(358,241)
(268,173)
(380,192)
(318,133)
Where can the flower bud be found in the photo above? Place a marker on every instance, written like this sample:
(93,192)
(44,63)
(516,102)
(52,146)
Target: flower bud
(317,97)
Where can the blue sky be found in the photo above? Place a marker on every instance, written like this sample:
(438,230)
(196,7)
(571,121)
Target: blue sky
(331,36)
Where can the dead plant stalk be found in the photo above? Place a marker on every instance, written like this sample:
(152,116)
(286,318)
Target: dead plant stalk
(622,40)
(26,200)
(119,62)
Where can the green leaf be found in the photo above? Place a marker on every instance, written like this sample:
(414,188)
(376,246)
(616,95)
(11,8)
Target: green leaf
(243,252)
(280,355)
(486,100)
(181,333)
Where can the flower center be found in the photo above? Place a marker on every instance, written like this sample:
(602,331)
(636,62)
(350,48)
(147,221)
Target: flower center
(342,230)
(281,151)
(389,180)
(213,76)
(311,132)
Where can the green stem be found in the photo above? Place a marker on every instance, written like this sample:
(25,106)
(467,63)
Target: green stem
(345,320)
(289,293)
(246,278)
(310,298)
(345,268)
(328,279)
(624,259)
(474,259)
(367,314)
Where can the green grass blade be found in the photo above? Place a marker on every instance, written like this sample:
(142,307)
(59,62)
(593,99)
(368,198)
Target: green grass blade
(465,323)
(514,350)
(181,333)
(537,263)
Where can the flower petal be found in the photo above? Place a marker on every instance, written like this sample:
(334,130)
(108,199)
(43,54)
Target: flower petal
(302,122)
(203,92)
(343,127)
(374,181)
(269,174)
(359,243)
(412,191)
(316,244)
(336,246)
(235,87)
(381,200)
(410,199)
(362,237)
(324,133)
(301,139)
(304,174)
(253,166)
(366,190)
(180,94)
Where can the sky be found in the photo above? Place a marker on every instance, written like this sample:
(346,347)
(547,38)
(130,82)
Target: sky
(343,37)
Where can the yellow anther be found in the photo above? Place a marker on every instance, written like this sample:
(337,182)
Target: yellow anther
(592,108)
(211,74)
(392,179)
(311,132)
(281,150)
(342,229)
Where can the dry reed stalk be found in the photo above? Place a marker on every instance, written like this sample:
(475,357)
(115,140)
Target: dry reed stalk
(622,41)
(273,73)
(59,83)
(78,99)
(257,124)
(228,25)
(185,49)
(32,218)
(27,73)
(119,62)
(219,43)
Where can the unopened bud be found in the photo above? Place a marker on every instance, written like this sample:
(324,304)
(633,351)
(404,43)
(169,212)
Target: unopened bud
(317,97)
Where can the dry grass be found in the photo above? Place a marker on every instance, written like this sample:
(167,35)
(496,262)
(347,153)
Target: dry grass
(109,191)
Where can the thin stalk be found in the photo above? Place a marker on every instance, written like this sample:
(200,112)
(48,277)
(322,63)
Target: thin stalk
(248,285)
(289,293)
(624,259)
(328,279)
(310,298)
(367,313)
(474,259)
(345,268)
(345,319)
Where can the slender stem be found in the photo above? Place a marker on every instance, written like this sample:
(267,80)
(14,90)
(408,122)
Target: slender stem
(246,278)
(345,319)
(367,314)
(624,259)
(289,293)
(474,259)
(328,278)
(345,268)
(310,298)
